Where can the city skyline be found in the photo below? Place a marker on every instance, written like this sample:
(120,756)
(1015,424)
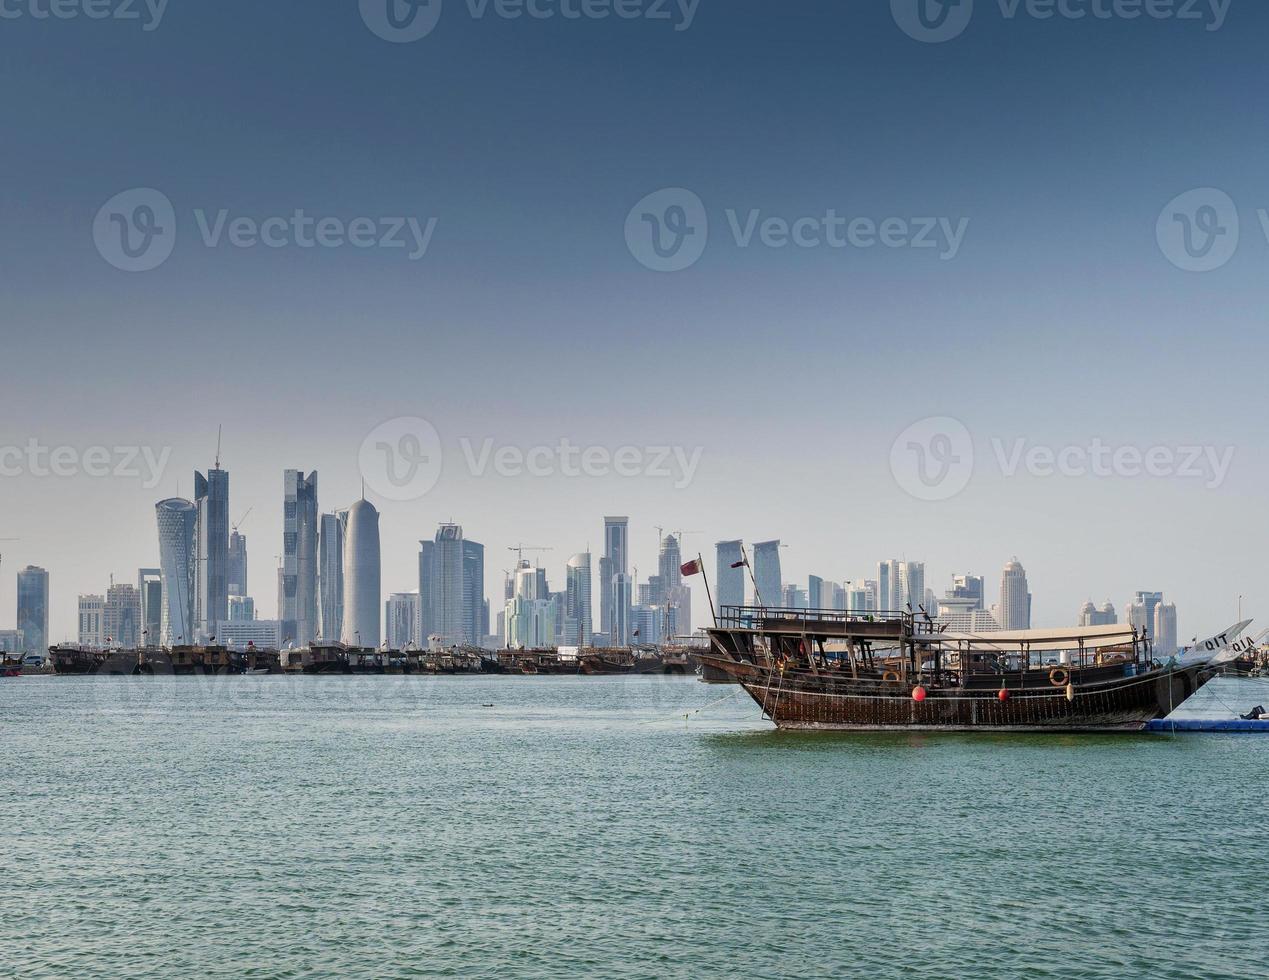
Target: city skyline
(906,576)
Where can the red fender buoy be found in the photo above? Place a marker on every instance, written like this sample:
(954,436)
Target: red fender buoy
(1003,695)
(918,694)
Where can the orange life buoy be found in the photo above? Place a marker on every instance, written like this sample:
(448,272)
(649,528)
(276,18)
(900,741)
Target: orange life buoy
(1059,677)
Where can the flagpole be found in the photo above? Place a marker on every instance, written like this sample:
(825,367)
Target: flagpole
(708,595)
(744,556)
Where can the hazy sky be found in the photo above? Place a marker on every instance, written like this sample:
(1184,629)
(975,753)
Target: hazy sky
(1051,307)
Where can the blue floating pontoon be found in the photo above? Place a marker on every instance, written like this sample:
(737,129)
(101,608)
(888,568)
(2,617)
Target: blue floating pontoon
(1167,726)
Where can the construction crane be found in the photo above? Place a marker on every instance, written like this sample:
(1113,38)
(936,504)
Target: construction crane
(244,517)
(520,549)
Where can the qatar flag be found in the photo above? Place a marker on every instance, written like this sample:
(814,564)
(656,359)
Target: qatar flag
(693,567)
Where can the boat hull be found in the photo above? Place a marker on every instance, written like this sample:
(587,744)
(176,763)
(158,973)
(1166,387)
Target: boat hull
(805,701)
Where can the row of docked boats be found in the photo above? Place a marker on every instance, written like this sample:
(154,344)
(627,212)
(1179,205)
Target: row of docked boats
(827,669)
(338,658)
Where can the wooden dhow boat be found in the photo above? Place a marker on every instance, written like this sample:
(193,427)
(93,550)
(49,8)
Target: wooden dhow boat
(834,670)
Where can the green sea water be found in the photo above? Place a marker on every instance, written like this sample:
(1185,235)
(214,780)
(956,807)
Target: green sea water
(544,827)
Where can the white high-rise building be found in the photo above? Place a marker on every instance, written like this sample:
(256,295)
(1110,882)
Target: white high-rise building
(92,621)
(211,559)
(1015,598)
(890,585)
(768,582)
(122,621)
(1165,641)
(577,601)
(529,615)
(615,562)
(33,608)
(912,586)
(300,612)
(330,576)
(177,521)
(401,619)
(1090,615)
(1141,612)
(731,581)
(362,607)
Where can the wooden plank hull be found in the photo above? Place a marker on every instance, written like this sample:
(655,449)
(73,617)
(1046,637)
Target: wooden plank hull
(802,700)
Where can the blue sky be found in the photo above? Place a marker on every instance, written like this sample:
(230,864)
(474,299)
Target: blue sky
(1058,321)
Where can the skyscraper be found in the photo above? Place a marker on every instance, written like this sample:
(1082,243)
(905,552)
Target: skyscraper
(178,529)
(122,621)
(1015,598)
(475,610)
(529,614)
(92,621)
(622,632)
(669,563)
(330,577)
(1165,644)
(890,585)
(1090,615)
(577,600)
(33,608)
(237,563)
(300,611)
(968,587)
(362,593)
(912,587)
(427,591)
(211,596)
(1141,612)
(617,589)
(731,581)
(399,619)
(766,573)
(150,585)
(452,587)
(815,596)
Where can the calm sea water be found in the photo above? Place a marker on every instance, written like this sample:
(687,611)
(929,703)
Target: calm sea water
(403,827)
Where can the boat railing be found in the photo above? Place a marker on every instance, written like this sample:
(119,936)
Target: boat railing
(751,617)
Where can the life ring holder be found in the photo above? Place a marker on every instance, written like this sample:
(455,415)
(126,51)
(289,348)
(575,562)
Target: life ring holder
(1059,677)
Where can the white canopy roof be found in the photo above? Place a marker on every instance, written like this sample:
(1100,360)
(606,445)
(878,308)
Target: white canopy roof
(1069,638)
